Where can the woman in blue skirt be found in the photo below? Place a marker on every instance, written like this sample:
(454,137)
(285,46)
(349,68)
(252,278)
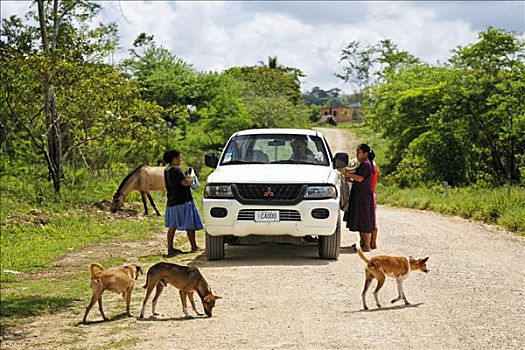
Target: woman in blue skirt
(181,212)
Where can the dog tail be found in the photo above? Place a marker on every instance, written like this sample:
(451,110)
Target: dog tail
(362,256)
(146,284)
(93,266)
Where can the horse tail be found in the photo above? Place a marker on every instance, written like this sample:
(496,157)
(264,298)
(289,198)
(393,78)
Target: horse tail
(121,186)
(92,268)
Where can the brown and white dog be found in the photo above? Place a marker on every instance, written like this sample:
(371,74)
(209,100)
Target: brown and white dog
(117,279)
(379,267)
(186,279)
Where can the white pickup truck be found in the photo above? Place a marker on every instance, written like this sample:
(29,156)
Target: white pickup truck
(273,182)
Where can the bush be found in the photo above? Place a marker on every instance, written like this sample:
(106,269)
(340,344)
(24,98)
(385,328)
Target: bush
(433,155)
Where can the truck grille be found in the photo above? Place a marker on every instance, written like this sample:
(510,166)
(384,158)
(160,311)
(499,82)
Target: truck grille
(269,193)
(284,215)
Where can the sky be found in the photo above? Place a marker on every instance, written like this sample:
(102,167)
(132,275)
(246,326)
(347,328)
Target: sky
(216,35)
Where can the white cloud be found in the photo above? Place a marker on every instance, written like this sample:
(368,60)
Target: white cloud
(310,35)
(19,8)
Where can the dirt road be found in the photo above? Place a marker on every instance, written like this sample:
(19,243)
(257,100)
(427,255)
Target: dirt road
(284,297)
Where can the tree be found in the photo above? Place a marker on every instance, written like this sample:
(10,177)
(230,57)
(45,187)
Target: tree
(392,59)
(358,65)
(207,103)
(164,77)
(272,63)
(361,66)
(463,122)
(272,96)
(493,76)
(57,91)
(322,97)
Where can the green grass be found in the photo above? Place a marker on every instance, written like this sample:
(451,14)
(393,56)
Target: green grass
(503,206)
(25,299)
(37,227)
(32,240)
(27,248)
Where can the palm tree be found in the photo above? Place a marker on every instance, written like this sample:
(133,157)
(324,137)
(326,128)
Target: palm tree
(272,63)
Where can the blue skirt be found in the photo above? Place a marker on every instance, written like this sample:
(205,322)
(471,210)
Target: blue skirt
(183,217)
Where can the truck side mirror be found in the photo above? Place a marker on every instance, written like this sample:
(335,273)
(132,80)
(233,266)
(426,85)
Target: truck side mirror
(340,160)
(211,160)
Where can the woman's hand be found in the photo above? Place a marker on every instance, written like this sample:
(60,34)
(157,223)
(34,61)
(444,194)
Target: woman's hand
(188,180)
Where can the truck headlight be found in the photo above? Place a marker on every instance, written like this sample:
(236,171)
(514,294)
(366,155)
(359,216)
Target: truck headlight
(320,192)
(218,191)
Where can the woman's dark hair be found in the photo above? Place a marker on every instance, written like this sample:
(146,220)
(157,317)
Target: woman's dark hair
(169,155)
(367,149)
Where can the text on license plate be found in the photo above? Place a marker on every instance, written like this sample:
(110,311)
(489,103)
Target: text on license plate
(267,215)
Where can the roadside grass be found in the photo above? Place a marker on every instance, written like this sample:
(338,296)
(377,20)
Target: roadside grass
(38,227)
(27,249)
(502,206)
(25,298)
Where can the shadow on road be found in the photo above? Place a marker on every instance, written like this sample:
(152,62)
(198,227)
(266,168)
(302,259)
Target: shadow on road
(268,254)
(388,308)
(160,319)
(120,316)
(348,250)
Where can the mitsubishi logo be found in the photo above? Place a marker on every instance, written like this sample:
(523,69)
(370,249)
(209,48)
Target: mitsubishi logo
(268,192)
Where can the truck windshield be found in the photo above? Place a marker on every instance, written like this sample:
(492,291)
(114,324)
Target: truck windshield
(275,149)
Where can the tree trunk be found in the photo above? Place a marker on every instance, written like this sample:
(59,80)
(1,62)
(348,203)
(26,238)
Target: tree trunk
(54,144)
(514,175)
(499,168)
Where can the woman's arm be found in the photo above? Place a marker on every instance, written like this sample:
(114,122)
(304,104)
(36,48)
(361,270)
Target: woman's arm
(354,177)
(361,173)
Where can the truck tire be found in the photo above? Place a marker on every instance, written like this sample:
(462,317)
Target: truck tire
(329,246)
(214,247)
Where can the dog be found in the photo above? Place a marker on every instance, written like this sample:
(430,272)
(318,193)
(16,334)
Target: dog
(117,279)
(186,279)
(381,266)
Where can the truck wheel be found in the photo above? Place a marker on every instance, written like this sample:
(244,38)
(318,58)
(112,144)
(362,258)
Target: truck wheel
(214,247)
(329,245)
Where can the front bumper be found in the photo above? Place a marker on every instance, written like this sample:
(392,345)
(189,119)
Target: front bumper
(306,225)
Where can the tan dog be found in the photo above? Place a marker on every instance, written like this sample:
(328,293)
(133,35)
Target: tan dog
(117,279)
(381,266)
(186,279)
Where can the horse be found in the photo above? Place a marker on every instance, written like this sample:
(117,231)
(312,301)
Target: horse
(327,119)
(143,179)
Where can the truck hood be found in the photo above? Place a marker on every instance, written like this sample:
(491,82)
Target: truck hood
(273,173)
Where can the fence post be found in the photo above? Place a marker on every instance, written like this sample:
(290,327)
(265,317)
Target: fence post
(445,185)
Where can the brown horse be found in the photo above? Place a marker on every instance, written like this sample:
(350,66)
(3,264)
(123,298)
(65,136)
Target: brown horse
(143,179)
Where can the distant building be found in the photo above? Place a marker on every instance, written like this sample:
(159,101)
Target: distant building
(341,114)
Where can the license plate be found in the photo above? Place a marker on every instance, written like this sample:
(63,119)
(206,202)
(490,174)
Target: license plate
(267,216)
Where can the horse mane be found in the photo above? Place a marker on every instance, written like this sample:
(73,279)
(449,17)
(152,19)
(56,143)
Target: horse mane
(126,179)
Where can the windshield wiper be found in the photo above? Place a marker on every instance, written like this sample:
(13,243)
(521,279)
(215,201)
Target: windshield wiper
(240,161)
(291,161)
